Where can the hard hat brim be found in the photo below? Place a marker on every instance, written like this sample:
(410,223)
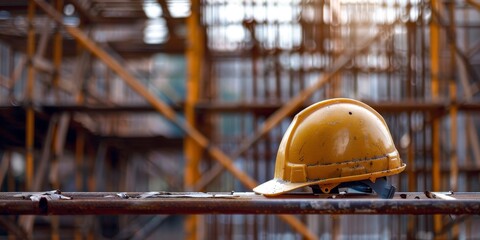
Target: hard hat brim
(276,187)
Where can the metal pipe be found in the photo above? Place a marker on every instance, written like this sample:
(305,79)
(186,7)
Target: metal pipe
(30,117)
(435,83)
(193,151)
(242,203)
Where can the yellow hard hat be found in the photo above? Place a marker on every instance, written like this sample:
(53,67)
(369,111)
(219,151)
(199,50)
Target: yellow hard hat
(333,142)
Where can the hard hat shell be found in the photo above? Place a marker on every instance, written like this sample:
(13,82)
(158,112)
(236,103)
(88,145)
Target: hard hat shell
(331,142)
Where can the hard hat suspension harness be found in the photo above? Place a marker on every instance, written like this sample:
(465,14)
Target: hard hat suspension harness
(380,186)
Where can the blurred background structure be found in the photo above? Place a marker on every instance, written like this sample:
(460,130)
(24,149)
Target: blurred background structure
(131,95)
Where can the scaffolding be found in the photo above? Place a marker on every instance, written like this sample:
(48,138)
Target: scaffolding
(184,96)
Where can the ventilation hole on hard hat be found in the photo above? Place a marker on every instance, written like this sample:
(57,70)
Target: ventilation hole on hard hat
(350,113)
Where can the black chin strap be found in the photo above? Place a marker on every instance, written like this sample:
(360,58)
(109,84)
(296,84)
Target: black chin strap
(381,187)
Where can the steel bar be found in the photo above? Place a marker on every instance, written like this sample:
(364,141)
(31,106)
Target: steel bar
(435,85)
(411,203)
(192,151)
(194,57)
(29,133)
(434,65)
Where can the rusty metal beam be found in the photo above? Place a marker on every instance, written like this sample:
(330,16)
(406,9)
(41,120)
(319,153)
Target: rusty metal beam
(411,203)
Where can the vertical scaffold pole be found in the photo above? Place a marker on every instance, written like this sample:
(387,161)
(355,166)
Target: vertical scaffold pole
(434,68)
(30,116)
(193,151)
